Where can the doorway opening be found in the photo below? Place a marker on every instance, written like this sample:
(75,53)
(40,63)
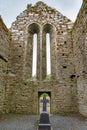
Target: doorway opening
(40,101)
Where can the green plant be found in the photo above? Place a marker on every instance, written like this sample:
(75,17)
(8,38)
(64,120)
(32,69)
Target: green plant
(44,94)
(48,76)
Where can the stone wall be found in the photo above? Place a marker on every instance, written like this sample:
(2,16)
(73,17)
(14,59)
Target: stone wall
(23,89)
(4,49)
(67,84)
(79,32)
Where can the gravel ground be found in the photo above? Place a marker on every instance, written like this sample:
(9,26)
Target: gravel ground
(26,122)
(73,122)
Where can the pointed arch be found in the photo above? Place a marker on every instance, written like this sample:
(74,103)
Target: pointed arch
(47,49)
(32,47)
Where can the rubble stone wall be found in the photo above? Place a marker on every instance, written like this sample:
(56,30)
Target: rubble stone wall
(4,49)
(67,83)
(79,32)
(42,19)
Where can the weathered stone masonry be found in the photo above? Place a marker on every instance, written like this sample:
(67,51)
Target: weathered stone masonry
(79,33)
(4,49)
(65,84)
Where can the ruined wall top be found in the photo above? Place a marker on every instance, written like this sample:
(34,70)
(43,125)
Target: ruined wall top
(40,6)
(41,14)
(4,40)
(3,27)
(81,15)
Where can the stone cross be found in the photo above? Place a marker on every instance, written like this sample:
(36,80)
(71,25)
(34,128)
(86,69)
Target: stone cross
(45,101)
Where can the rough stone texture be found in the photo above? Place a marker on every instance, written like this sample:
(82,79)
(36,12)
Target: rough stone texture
(42,19)
(4,48)
(66,89)
(79,32)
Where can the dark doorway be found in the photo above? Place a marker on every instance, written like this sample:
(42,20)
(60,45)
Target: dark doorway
(40,104)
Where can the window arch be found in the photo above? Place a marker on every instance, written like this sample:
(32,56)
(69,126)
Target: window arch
(47,36)
(33,46)
(39,63)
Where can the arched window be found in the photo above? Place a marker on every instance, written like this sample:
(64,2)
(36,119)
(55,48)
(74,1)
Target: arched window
(46,50)
(48,57)
(32,53)
(40,52)
(34,58)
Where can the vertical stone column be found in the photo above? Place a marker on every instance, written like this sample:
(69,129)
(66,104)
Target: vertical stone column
(53,56)
(29,56)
